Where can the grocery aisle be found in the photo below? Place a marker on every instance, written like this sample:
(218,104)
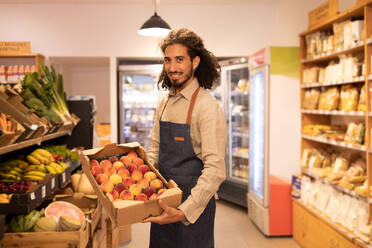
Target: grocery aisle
(233,229)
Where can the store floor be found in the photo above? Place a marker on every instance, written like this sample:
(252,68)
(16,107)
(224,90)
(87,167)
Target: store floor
(233,228)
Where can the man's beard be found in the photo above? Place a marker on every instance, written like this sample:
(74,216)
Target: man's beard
(176,85)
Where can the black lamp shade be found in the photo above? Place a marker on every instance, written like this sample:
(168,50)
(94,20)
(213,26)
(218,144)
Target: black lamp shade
(155,26)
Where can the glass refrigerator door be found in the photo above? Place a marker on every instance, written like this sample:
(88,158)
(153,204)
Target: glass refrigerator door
(238,122)
(258,168)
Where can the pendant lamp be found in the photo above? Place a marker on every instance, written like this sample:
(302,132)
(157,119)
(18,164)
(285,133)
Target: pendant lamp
(155,26)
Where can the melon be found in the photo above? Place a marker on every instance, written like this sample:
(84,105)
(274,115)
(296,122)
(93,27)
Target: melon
(46,224)
(61,208)
(66,223)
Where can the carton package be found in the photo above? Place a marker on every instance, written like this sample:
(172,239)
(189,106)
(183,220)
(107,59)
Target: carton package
(125,212)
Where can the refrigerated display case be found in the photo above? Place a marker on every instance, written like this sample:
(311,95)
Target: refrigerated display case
(138,98)
(274,145)
(234,92)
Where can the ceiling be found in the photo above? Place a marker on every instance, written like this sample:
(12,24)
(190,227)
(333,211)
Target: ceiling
(162,2)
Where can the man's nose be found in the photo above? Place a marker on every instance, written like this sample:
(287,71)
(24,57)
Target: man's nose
(172,66)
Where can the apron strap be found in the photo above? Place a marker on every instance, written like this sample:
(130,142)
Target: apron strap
(191,106)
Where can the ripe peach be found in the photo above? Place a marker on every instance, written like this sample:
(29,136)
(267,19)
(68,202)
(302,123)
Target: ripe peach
(114,194)
(150,176)
(96,170)
(107,186)
(126,195)
(143,169)
(101,178)
(160,191)
(149,191)
(141,197)
(144,183)
(105,164)
(118,165)
(126,160)
(93,162)
(110,171)
(131,167)
(115,179)
(135,189)
(120,187)
(124,173)
(113,159)
(153,197)
(128,181)
(137,175)
(156,183)
(138,161)
(133,155)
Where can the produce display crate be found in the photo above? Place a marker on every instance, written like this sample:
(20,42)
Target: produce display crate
(2,225)
(8,138)
(76,239)
(64,178)
(128,212)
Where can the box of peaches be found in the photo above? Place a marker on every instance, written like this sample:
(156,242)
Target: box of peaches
(127,184)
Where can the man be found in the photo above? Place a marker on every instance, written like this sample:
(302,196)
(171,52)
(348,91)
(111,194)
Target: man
(188,142)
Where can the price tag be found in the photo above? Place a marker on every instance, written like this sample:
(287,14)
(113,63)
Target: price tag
(43,192)
(53,182)
(32,195)
(34,127)
(63,177)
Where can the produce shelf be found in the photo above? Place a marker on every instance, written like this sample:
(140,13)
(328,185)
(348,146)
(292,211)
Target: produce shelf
(335,143)
(335,112)
(36,141)
(309,173)
(245,156)
(339,82)
(240,134)
(328,56)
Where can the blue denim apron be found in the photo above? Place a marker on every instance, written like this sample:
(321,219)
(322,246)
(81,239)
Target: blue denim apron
(177,161)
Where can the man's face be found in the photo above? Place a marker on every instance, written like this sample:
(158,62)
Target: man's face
(178,65)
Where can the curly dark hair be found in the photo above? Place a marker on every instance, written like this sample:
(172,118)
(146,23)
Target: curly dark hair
(208,71)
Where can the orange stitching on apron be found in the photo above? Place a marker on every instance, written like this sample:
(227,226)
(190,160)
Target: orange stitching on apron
(179,138)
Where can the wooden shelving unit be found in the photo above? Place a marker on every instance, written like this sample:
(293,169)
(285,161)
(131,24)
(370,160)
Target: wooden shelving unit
(312,228)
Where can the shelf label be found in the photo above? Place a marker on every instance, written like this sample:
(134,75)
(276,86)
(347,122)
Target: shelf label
(32,195)
(323,12)
(15,47)
(53,182)
(34,127)
(63,177)
(43,192)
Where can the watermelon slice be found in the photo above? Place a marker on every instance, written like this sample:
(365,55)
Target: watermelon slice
(61,208)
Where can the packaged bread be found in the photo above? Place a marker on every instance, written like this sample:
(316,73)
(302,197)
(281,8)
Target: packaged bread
(362,105)
(329,98)
(306,155)
(355,133)
(341,163)
(311,99)
(316,160)
(349,98)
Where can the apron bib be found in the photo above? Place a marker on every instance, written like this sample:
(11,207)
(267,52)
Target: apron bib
(178,161)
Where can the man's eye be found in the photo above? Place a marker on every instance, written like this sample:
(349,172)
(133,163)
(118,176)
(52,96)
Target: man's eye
(179,59)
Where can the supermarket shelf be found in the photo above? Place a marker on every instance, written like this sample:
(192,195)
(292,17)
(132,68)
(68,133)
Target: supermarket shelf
(36,141)
(341,229)
(339,82)
(240,93)
(307,172)
(369,41)
(238,180)
(245,156)
(240,134)
(335,112)
(335,143)
(329,55)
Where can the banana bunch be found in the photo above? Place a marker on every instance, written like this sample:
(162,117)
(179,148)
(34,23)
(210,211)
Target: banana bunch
(5,198)
(34,172)
(56,168)
(39,156)
(11,171)
(24,223)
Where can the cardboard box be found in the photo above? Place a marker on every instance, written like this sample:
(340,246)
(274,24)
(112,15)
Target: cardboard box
(125,234)
(8,138)
(125,212)
(296,186)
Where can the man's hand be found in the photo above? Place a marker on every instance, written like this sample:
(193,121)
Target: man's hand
(169,215)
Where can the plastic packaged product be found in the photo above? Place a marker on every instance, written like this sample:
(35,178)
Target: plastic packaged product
(355,133)
(362,105)
(329,99)
(349,98)
(316,160)
(341,163)
(306,155)
(311,99)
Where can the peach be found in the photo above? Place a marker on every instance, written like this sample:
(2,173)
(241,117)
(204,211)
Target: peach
(124,173)
(110,171)
(128,181)
(141,197)
(93,162)
(144,183)
(126,195)
(136,175)
(101,178)
(105,164)
(135,189)
(131,168)
(118,165)
(113,159)
(133,155)
(150,176)
(138,161)
(126,160)
(143,169)
(153,197)
(96,170)
(149,191)
(107,186)
(120,187)
(160,191)
(156,183)
(114,194)
(115,179)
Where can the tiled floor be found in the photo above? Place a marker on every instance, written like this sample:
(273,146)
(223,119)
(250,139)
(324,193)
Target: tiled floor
(233,229)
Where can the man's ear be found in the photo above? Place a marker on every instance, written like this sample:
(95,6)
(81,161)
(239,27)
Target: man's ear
(195,62)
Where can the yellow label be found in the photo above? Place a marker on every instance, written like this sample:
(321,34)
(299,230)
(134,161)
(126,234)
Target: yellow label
(14,47)
(323,12)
